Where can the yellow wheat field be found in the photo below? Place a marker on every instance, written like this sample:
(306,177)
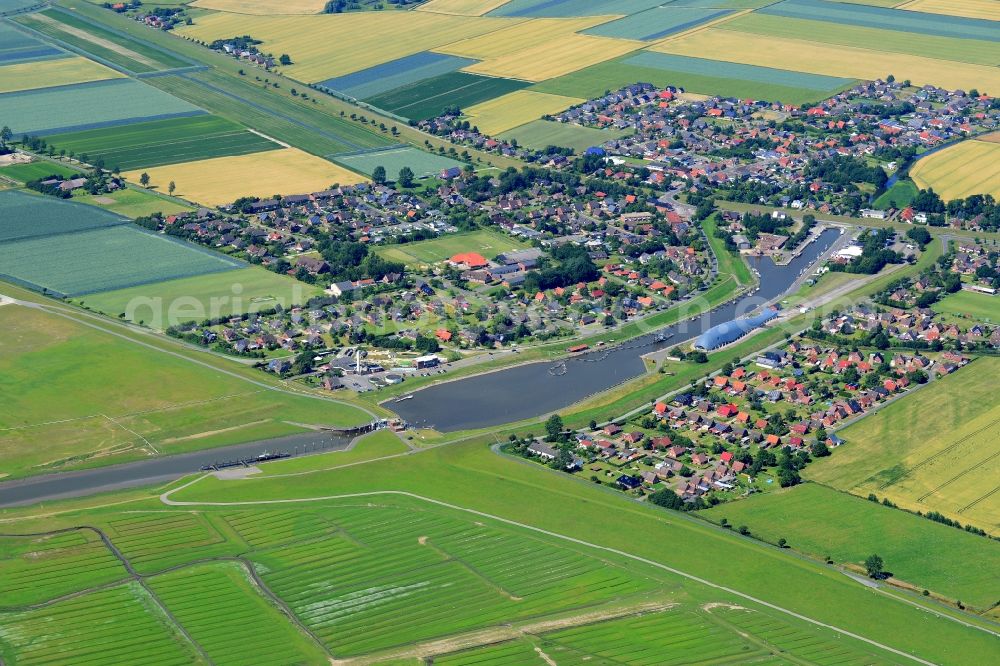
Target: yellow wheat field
(521,34)
(222,180)
(330,45)
(971,167)
(515,109)
(46,73)
(461,7)
(562,56)
(263,7)
(807,56)
(981,9)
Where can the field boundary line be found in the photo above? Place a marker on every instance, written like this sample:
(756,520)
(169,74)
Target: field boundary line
(129,430)
(165,498)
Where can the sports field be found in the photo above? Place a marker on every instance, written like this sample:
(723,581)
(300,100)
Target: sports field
(541,133)
(977,51)
(263,7)
(48,73)
(86,105)
(160,142)
(562,56)
(397,73)
(392,160)
(134,203)
(658,22)
(201,297)
(16,46)
(427,99)
(935,450)
(222,180)
(822,522)
(24,215)
(979,9)
(516,109)
(487,243)
(102,259)
(30,171)
(971,305)
(328,46)
(73,399)
(101,43)
(970,167)
(699,75)
(461,7)
(831,60)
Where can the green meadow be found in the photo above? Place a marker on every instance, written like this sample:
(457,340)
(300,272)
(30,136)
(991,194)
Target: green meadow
(822,522)
(540,134)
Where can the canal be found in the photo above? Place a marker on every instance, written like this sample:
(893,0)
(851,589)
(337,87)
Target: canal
(533,389)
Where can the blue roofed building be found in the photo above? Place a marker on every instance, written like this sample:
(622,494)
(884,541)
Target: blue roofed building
(731,331)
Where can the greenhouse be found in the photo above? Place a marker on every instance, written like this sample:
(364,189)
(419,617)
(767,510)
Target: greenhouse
(731,331)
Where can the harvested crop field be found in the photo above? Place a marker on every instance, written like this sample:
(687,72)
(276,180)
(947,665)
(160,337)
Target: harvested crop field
(978,9)
(938,449)
(395,74)
(222,180)
(263,7)
(100,42)
(24,215)
(516,109)
(48,73)
(515,36)
(829,60)
(461,7)
(102,259)
(393,159)
(970,167)
(88,105)
(562,56)
(332,45)
(539,134)
(658,22)
(427,99)
(212,295)
(160,142)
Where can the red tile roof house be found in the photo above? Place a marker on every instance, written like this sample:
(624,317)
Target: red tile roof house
(612,429)
(633,437)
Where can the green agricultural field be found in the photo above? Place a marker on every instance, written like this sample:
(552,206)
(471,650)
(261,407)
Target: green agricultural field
(77,630)
(73,399)
(539,134)
(26,173)
(900,195)
(487,243)
(134,202)
(970,306)
(823,522)
(159,142)
(100,42)
(103,259)
(229,617)
(111,102)
(393,159)
(931,451)
(28,215)
(976,51)
(596,79)
(38,568)
(210,296)
(427,99)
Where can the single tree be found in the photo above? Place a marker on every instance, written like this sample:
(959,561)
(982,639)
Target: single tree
(874,566)
(554,428)
(285,59)
(378,175)
(144,179)
(171,187)
(406,177)
(5,136)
